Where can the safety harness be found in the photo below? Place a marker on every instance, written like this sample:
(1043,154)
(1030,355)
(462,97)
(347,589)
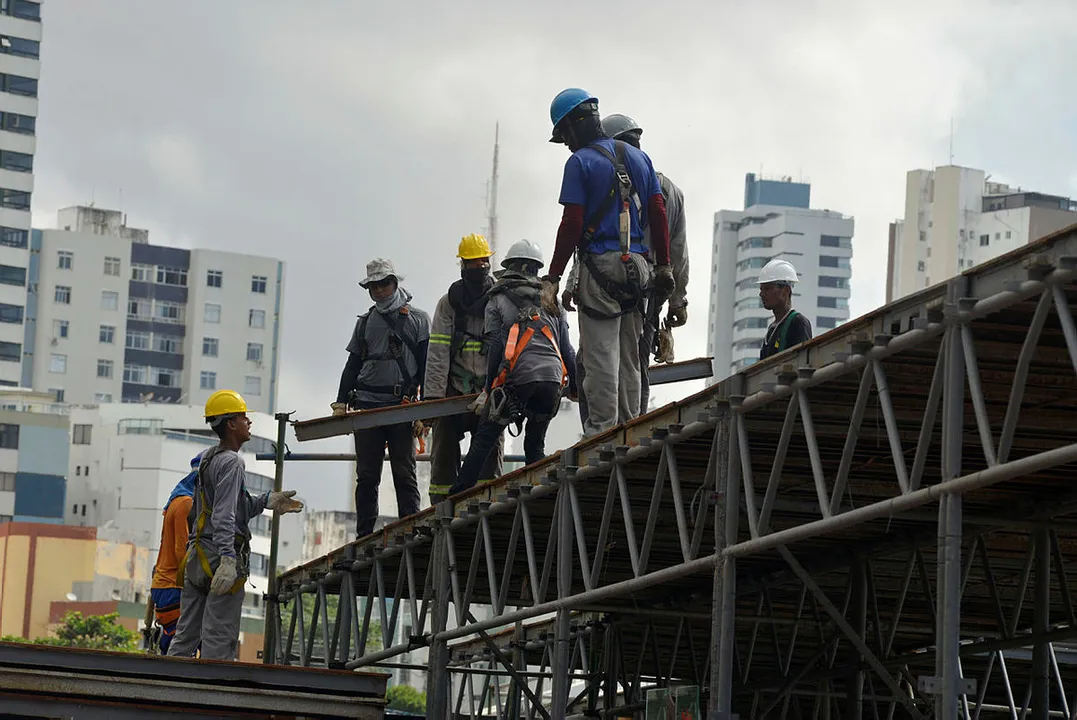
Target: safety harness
(398,340)
(200,521)
(629,292)
(782,331)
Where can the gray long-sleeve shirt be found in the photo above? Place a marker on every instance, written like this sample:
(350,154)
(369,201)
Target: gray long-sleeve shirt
(231,506)
(678,242)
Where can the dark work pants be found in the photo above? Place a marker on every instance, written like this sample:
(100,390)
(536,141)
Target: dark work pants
(538,398)
(370,452)
(445,454)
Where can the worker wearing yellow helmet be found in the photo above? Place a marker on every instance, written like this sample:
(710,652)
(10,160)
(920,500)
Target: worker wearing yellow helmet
(456,364)
(217,563)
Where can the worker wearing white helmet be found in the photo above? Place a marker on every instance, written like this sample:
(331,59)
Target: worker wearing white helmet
(789,328)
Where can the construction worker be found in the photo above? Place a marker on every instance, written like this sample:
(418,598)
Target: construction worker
(611,196)
(165,590)
(456,364)
(622,127)
(531,362)
(386,367)
(789,328)
(217,562)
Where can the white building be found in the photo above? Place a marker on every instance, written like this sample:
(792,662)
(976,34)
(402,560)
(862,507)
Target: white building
(955,218)
(125,459)
(20,68)
(113,318)
(34,433)
(817,242)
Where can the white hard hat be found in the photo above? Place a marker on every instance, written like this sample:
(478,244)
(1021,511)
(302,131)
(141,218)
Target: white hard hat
(524,250)
(777,271)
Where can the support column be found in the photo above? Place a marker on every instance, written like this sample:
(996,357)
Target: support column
(854,684)
(1041,652)
(270,640)
(562,650)
(724,601)
(437,677)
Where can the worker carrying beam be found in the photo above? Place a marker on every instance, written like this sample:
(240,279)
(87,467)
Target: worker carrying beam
(456,365)
(531,362)
(217,563)
(386,366)
(175,529)
(776,281)
(611,196)
(655,341)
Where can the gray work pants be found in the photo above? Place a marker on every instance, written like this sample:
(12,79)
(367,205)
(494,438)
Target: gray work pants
(609,347)
(211,619)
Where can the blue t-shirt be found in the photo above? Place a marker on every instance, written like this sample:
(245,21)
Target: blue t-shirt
(588,179)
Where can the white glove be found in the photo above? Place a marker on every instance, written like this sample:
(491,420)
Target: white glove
(281,502)
(478,403)
(339,408)
(225,577)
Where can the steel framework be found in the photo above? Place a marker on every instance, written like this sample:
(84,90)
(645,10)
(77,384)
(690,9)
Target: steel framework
(849,528)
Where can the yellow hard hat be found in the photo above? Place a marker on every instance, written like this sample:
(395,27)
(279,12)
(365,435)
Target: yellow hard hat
(473,247)
(225,402)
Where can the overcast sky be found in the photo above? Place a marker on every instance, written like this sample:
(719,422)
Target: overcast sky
(326,132)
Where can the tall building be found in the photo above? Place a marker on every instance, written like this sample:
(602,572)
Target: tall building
(956,218)
(34,434)
(113,318)
(779,224)
(20,68)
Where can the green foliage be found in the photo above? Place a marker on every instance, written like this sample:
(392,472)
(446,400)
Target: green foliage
(96,632)
(373,640)
(406,698)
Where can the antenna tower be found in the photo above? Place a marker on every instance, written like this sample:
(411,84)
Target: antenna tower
(491,209)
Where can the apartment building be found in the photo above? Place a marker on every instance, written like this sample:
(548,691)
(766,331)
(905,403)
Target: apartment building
(33,457)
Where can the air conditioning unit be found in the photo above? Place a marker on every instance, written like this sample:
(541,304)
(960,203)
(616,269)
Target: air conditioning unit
(55,342)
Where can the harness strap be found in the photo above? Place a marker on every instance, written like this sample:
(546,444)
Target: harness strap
(204,514)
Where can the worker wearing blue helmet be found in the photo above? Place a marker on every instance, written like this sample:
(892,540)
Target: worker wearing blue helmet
(614,220)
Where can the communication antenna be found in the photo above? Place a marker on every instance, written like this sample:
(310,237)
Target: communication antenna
(491,209)
(951,139)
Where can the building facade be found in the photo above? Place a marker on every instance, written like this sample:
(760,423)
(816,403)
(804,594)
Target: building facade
(956,218)
(34,433)
(817,242)
(20,69)
(112,318)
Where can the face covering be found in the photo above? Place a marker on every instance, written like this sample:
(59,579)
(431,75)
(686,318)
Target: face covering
(391,303)
(475,278)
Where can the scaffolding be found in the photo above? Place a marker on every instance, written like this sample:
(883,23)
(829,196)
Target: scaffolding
(851,527)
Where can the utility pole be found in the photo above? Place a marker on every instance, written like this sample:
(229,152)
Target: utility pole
(491,220)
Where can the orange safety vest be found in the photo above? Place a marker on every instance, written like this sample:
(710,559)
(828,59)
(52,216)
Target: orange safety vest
(516,344)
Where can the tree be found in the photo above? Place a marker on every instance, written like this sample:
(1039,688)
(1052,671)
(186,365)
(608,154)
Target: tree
(406,698)
(97,632)
(373,640)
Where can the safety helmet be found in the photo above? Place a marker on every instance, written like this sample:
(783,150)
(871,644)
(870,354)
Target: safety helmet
(617,125)
(473,247)
(777,271)
(567,101)
(224,404)
(524,250)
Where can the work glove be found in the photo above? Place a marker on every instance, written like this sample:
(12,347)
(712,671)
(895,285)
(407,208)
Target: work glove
(479,403)
(677,316)
(281,502)
(665,345)
(225,577)
(339,409)
(419,429)
(568,297)
(664,284)
(549,296)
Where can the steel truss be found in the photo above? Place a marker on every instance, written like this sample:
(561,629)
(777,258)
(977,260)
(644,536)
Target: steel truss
(898,485)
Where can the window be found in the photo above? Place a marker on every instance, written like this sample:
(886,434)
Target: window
(921,266)
(25,9)
(166,311)
(104,369)
(21,47)
(751,324)
(58,363)
(138,308)
(1008,234)
(208,380)
(10,352)
(209,346)
(141,273)
(259,564)
(62,295)
(833,282)
(137,340)
(164,377)
(134,374)
(258,284)
(110,300)
(171,276)
(14,199)
(835,241)
(998,236)
(923,236)
(755,242)
(10,313)
(254,352)
(16,161)
(106,334)
(58,393)
(833,261)
(18,85)
(102,397)
(13,237)
(748,303)
(827,322)
(112,266)
(214,278)
(257,319)
(260,525)
(166,343)
(139,426)
(834,302)
(213,313)
(13,122)
(252,385)
(756,262)
(59,328)
(11,275)
(7,482)
(748,284)
(985,240)
(9,436)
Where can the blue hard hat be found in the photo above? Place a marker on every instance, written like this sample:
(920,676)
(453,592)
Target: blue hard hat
(567,101)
